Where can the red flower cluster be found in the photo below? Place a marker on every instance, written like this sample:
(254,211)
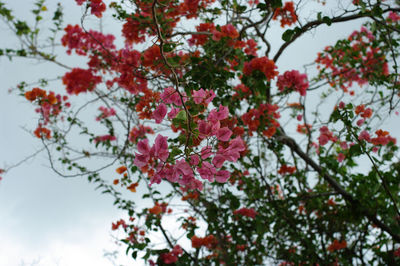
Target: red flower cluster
(265,113)
(42,132)
(80,80)
(325,136)
(201,39)
(76,39)
(208,241)
(383,138)
(286,169)
(262,64)
(121,222)
(105,113)
(104,138)
(303,129)
(248,212)
(336,245)
(226,31)
(134,29)
(139,132)
(172,257)
(286,13)
(97,7)
(49,103)
(293,81)
(365,113)
(356,61)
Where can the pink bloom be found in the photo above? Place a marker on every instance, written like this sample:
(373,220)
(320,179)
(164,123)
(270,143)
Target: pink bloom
(218,115)
(341,157)
(222,176)
(394,17)
(360,122)
(143,146)
(161,148)
(194,159)
(170,95)
(344,145)
(223,134)
(364,135)
(207,171)
(199,96)
(206,152)
(174,111)
(160,113)
(218,160)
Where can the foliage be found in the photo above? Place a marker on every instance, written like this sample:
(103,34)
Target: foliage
(195,100)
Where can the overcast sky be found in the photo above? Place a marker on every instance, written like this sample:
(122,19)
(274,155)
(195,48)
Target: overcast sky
(48,220)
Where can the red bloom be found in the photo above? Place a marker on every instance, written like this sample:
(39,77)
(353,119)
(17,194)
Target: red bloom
(121,169)
(248,212)
(172,257)
(336,245)
(287,14)
(80,80)
(42,132)
(293,81)
(262,64)
(286,169)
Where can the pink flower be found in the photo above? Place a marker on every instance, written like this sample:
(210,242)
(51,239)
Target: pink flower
(207,171)
(360,122)
(170,95)
(174,111)
(218,160)
(223,134)
(206,152)
(160,113)
(199,96)
(364,135)
(222,176)
(194,159)
(341,157)
(161,148)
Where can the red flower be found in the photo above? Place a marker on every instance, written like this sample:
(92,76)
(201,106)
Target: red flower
(262,64)
(248,212)
(336,245)
(287,14)
(80,80)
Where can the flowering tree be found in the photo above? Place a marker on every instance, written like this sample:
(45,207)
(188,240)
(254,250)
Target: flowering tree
(194,113)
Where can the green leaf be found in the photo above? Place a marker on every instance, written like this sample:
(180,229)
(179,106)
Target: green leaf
(327,20)
(287,35)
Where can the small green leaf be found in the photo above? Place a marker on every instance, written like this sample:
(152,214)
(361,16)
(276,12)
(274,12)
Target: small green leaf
(287,35)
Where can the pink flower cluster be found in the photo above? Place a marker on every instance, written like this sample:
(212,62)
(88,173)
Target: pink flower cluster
(105,112)
(326,136)
(293,81)
(97,7)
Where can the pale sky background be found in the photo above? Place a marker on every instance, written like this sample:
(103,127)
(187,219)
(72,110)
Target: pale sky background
(48,220)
